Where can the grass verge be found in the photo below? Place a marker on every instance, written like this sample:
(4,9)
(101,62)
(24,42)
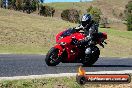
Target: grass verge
(62,82)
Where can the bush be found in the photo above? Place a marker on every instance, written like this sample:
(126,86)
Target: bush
(0,3)
(121,16)
(71,15)
(25,5)
(34,5)
(104,22)
(11,3)
(128,13)
(95,12)
(29,6)
(18,4)
(46,11)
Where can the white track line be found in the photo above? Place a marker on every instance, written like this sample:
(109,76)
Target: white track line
(63,75)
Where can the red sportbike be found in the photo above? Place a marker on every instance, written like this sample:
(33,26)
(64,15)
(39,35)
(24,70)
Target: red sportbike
(69,50)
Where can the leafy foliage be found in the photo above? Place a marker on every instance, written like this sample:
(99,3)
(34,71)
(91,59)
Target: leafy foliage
(71,15)
(47,11)
(25,5)
(128,13)
(95,12)
(18,4)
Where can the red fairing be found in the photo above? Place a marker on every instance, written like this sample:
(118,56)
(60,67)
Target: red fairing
(58,35)
(72,54)
(65,39)
(78,36)
(68,39)
(59,48)
(105,35)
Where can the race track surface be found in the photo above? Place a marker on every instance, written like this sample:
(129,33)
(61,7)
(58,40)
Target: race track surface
(24,65)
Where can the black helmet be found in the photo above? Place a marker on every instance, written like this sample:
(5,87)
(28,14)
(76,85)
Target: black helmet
(86,19)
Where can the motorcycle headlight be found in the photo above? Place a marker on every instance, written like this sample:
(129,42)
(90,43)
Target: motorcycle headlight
(63,43)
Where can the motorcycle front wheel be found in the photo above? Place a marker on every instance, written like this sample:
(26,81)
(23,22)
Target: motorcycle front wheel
(52,58)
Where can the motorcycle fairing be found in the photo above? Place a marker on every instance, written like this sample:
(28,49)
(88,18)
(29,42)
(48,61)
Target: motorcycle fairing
(71,50)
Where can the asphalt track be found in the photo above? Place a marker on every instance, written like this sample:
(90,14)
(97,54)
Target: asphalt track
(25,65)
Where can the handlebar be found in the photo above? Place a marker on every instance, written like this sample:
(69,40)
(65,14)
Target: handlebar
(102,43)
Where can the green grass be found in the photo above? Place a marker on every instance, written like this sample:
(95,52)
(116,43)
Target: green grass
(60,82)
(66,5)
(21,33)
(65,82)
(119,43)
(84,5)
(17,49)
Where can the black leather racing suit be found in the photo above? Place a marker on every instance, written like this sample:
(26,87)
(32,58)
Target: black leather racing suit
(89,30)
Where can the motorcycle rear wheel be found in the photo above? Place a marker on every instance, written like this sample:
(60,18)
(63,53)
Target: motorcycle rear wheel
(93,57)
(52,58)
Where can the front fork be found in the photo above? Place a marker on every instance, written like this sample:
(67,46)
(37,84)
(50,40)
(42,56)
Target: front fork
(70,57)
(60,48)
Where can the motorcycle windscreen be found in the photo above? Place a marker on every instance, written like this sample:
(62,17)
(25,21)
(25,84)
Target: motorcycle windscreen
(67,32)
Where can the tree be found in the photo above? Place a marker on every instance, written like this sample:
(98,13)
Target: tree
(95,12)
(41,1)
(3,3)
(128,13)
(12,4)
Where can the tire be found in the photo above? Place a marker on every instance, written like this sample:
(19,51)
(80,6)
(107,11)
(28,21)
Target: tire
(93,57)
(52,58)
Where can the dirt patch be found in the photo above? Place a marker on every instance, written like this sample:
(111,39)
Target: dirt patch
(118,26)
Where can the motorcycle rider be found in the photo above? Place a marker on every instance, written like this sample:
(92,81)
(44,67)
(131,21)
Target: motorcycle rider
(89,27)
